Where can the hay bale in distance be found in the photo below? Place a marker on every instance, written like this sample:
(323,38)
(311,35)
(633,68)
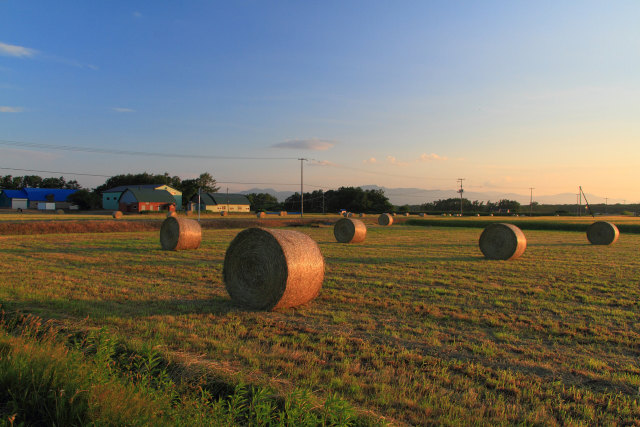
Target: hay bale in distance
(385,219)
(117,214)
(266,269)
(602,233)
(283,213)
(502,241)
(60,211)
(177,234)
(224,213)
(261,215)
(171,214)
(348,230)
(362,215)
(407,214)
(422,214)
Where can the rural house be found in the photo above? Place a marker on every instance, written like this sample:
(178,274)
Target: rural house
(111,197)
(37,198)
(146,199)
(220,202)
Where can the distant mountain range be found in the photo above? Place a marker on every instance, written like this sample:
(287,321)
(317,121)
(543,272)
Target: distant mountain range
(417,196)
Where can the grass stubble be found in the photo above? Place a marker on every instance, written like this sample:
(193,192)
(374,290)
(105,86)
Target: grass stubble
(412,326)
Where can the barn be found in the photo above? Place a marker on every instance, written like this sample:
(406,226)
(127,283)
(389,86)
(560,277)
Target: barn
(111,197)
(37,198)
(146,199)
(221,202)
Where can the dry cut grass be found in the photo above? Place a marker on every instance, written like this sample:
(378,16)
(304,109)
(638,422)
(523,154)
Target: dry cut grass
(413,324)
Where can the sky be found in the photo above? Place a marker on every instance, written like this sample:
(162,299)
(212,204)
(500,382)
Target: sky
(507,95)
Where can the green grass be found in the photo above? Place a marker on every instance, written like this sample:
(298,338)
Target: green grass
(412,326)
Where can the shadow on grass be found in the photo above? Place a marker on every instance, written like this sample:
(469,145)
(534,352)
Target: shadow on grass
(124,308)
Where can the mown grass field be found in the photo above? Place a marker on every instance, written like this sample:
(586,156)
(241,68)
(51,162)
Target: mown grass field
(412,326)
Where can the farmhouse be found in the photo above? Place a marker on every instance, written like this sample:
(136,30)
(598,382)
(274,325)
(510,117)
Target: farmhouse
(146,199)
(220,202)
(37,198)
(111,197)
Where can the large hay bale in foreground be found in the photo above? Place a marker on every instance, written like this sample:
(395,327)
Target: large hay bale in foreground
(266,269)
(502,241)
(171,214)
(385,219)
(261,215)
(602,233)
(177,234)
(117,214)
(348,230)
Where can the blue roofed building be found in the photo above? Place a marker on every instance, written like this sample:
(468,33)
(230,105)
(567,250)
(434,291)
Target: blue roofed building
(36,198)
(111,197)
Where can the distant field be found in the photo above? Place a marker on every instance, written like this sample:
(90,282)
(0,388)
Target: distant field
(412,325)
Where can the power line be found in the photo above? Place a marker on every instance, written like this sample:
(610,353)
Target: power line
(57,172)
(73,148)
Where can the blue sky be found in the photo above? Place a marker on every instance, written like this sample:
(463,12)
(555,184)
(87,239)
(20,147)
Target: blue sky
(508,95)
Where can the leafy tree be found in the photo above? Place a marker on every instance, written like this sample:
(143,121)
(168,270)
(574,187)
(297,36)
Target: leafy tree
(263,202)
(85,199)
(189,187)
(353,199)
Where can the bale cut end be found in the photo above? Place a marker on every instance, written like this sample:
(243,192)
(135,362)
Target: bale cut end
(502,241)
(117,214)
(348,230)
(602,233)
(385,219)
(180,233)
(266,269)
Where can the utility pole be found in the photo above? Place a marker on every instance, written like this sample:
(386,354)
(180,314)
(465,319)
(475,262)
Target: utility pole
(461,191)
(606,199)
(322,190)
(531,202)
(301,187)
(198,204)
(578,204)
(227,199)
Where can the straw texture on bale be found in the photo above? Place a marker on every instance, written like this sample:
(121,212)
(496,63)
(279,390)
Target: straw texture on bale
(502,241)
(348,230)
(177,234)
(261,215)
(224,213)
(117,214)
(602,233)
(266,269)
(171,214)
(385,219)
(283,213)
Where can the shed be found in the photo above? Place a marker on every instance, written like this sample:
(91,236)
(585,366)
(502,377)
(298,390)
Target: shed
(13,199)
(55,197)
(221,202)
(139,200)
(111,197)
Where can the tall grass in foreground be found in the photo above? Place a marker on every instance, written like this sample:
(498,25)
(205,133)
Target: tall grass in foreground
(47,378)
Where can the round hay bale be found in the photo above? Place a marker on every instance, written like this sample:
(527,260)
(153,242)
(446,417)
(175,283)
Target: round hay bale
(224,213)
(60,212)
(348,230)
(362,215)
(117,214)
(283,213)
(266,269)
(180,233)
(350,214)
(261,215)
(602,233)
(385,219)
(422,214)
(407,214)
(502,241)
(171,214)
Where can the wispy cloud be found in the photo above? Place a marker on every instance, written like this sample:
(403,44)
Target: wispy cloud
(431,157)
(313,144)
(370,161)
(7,109)
(321,163)
(137,14)
(123,110)
(395,161)
(17,51)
